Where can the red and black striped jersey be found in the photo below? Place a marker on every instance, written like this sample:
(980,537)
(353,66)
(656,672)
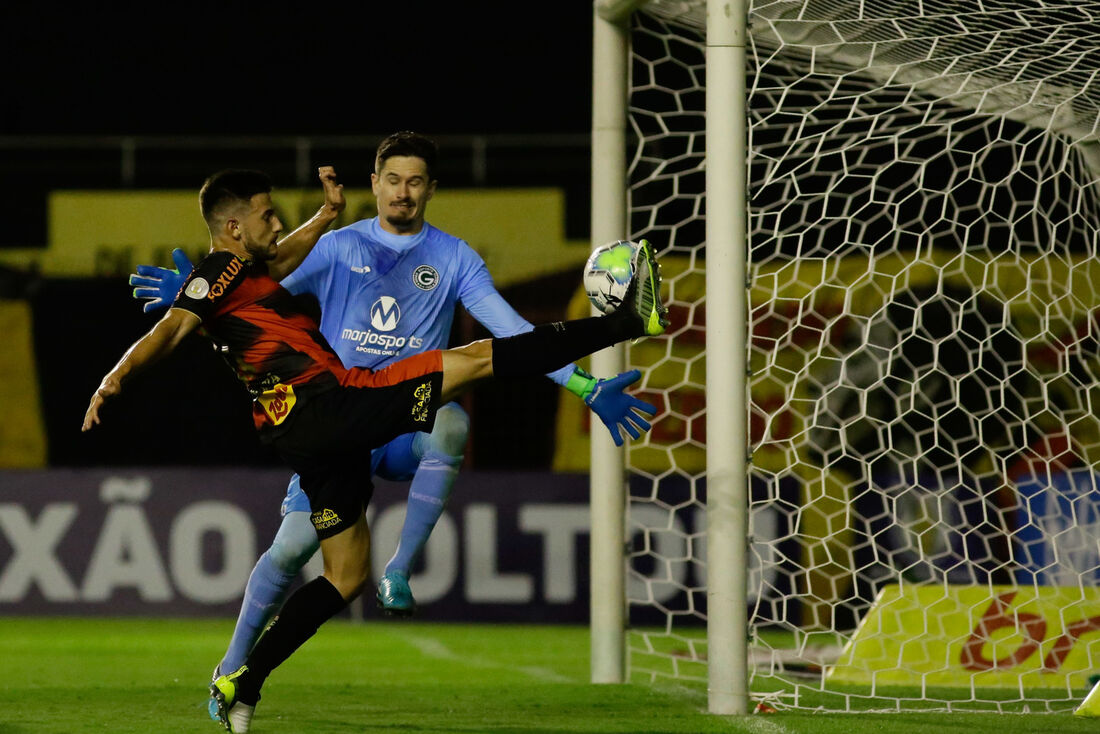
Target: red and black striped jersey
(277,350)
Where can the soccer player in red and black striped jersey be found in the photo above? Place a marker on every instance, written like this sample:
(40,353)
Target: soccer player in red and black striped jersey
(321,417)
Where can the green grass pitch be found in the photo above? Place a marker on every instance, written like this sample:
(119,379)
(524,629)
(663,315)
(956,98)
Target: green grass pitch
(70,676)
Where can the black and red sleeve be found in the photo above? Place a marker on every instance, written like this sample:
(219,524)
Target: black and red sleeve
(210,283)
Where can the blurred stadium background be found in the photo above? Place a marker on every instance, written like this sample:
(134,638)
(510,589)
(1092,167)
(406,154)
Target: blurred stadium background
(111,121)
(104,140)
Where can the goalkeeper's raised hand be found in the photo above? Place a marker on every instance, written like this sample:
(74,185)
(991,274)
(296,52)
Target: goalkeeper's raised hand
(160,286)
(618,410)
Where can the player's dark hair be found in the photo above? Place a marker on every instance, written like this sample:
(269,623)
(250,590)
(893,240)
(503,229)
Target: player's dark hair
(407,143)
(232,186)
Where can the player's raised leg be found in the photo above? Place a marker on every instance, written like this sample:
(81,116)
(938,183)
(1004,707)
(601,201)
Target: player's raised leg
(550,346)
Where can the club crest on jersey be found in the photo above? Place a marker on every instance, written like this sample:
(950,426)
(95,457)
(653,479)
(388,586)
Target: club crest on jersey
(197,289)
(425,277)
(385,313)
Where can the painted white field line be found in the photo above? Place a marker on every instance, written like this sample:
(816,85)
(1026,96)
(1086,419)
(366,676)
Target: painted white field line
(433,648)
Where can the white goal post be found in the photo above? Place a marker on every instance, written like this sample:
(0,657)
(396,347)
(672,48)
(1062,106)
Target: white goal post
(726,355)
(875,480)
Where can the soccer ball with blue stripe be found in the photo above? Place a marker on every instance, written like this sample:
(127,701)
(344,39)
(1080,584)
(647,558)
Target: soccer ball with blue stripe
(608,272)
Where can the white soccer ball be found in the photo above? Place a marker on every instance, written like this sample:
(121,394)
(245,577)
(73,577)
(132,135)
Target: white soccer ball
(607,274)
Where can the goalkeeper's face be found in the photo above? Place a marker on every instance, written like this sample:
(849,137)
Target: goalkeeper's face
(402,189)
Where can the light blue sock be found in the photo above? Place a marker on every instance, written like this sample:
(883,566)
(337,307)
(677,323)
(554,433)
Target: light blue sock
(294,545)
(427,497)
(442,451)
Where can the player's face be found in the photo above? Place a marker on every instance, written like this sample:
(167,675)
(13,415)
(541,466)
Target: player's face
(260,228)
(402,189)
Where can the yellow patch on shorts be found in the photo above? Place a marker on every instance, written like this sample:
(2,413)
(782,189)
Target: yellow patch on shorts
(325,518)
(423,395)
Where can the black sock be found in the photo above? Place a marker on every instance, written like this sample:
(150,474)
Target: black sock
(552,346)
(307,609)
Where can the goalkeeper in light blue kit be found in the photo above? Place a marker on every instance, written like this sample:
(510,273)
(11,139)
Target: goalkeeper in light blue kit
(387,288)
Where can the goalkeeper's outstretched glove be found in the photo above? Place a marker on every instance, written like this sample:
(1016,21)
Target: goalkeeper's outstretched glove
(615,408)
(160,286)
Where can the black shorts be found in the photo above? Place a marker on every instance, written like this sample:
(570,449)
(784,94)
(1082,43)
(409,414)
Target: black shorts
(330,436)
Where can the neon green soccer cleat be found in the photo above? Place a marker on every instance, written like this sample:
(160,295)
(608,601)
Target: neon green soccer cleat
(233,714)
(394,595)
(643,297)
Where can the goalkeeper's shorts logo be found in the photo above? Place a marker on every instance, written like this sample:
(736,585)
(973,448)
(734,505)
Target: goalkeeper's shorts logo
(423,395)
(325,518)
(277,402)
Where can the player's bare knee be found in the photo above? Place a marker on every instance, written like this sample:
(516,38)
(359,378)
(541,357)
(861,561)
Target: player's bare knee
(482,352)
(463,366)
(475,356)
(349,579)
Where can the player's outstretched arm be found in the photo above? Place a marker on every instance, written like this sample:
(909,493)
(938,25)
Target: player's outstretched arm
(158,287)
(158,343)
(295,246)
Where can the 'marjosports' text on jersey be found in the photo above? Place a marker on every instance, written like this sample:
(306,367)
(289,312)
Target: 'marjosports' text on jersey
(385,296)
(276,350)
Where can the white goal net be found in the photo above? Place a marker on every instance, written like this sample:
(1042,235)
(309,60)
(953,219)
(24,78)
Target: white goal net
(923,350)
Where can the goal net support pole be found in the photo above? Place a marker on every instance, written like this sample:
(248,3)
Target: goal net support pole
(726,363)
(607,562)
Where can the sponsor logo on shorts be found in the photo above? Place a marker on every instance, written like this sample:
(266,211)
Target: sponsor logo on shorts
(423,395)
(225,278)
(197,289)
(362,271)
(325,518)
(425,277)
(385,313)
(277,402)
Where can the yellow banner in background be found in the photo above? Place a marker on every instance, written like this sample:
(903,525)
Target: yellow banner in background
(808,316)
(986,637)
(519,232)
(22,430)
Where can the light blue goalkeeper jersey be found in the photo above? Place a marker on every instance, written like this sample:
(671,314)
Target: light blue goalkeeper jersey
(386,296)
